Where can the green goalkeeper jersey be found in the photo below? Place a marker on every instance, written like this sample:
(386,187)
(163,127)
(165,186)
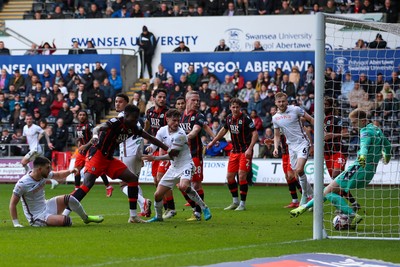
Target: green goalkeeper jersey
(372,143)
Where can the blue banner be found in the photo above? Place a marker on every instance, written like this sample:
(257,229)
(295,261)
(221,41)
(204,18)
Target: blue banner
(249,63)
(40,63)
(368,61)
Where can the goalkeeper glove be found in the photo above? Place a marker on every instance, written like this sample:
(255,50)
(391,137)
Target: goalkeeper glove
(361,160)
(386,158)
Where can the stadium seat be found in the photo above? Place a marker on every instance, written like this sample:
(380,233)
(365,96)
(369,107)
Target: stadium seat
(37,7)
(50,6)
(28,16)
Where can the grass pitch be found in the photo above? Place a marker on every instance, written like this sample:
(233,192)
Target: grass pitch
(264,230)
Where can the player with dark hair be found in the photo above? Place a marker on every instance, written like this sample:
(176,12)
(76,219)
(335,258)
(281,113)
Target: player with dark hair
(84,133)
(101,159)
(181,169)
(180,104)
(39,211)
(373,147)
(244,136)
(334,151)
(155,119)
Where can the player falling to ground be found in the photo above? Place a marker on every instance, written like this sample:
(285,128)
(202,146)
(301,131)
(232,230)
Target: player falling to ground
(244,136)
(131,151)
(32,134)
(373,146)
(335,153)
(155,119)
(192,122)
(39,211)
(288,121)
(84,133)
(100,160)
(181,169)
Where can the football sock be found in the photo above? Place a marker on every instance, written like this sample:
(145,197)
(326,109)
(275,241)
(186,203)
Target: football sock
(140,199)
(201,195)
(81,192)
(233,188)
(340,203)
(195,197)
(170,203)
(292,188)
(165,205)
(77,180)
(158,207)
(75,206)
(105,180)
(244,187)
(191,202)
(303,183)
(133,195)
(242,203)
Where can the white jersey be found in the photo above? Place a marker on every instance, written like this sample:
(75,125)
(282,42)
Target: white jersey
(177,140)
(32,196)
(290,125)
(32,136)
(131,145)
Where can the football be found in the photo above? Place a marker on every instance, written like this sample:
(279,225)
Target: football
(341,222)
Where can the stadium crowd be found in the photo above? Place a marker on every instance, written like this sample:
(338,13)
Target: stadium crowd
(86,9)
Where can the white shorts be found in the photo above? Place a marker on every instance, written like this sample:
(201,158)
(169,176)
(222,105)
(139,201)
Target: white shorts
(172,176)
(298,152)
(134,163)
(51,209)
(32,155)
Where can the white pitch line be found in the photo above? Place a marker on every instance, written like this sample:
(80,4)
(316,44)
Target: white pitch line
(195,253)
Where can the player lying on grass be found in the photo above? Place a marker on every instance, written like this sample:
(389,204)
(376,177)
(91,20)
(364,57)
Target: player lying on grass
(39,211)
(373,146)
(181,169)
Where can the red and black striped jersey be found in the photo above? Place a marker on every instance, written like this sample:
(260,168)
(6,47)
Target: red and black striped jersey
(284,146)
(188,121)
(84,134)
(241,129)
(333,124)
(116,133)
(157,119)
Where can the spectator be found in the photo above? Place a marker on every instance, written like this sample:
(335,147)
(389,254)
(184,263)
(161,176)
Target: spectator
(204,109)
(58,76)
(176,11)
(137,11)
(387,89)
(18,148)
(4,108)
(259,81)
(63,89)
(257,122)
(4,80)
(58,14)
(255,103)
(109,94)
(75,50)
(204,92)
(278,75)
(36,116)
(5,140)
(80,13)
(147,43)
(183,83)
(268,102)
(366,105)
(169,86)
(73,103)
(267,144)
(157,84)
(287,86)
(162,11)
(122,13)
(378,43)
(213,83)
(305,102)
(367,85)
(44,106)
(99,73)
(355,95)
(394,81)
(360,44)
(258,46)
(294,77)
(17,80)
(4,51)
(333,85)
(31,103)
(315,9)
(214,103)
(87,78)
(33,51)
(246,94)
(117,5)
(90,49)
(97,100)
(50,133)
(82,96)
(56,105)
(285,9)
(200,12)
(162,73)
(379,82)
(46,76)
(390,106)
(392,15)
(181,48)
(355,8)
(263,91)
(222,47)
(225,102)
(226,87)
(94,13)
(272,86)
(137,101)
(264,7)
(330,7)
(378,105)
(192,76)
(347,86)
(368,7)
(231,10)
(60,134)
(17,118)
(204,76)
(66,114)
(38,15)
(116,82)
(144,93)
(108,13)
(309,79)
(46,49)
(238,81)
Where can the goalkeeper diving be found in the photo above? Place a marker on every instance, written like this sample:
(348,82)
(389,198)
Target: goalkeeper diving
(373,146)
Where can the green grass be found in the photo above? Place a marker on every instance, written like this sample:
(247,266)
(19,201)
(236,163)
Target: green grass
(264,230)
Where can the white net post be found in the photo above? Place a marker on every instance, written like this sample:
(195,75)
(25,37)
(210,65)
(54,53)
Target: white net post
(376,71)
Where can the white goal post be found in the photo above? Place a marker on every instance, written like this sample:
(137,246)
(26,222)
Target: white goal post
(336,38)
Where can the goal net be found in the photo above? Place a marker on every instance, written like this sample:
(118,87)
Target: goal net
(363,71)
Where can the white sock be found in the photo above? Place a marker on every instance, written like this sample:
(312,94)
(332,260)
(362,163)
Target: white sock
(76,206)
(125,190)
(236,200)
(303,183)
(66,212)
(158,206)
(132,213)
(141,200)
(310,191)
(242,203)
(193,195)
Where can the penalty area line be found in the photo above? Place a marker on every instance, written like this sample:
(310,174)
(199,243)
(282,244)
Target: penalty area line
(205,252)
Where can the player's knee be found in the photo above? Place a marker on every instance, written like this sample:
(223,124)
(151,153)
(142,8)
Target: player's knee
(300,172)
(67,221)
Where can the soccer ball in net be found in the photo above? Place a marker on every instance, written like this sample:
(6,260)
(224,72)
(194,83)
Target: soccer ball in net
(341,222)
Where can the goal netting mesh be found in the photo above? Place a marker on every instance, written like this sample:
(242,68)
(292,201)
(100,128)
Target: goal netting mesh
(363,70)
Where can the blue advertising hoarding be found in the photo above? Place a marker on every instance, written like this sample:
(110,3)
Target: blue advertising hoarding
(40,63)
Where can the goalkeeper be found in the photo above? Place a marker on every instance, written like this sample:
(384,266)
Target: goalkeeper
(373,146)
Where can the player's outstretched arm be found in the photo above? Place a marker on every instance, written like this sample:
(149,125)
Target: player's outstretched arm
(220,134)
(154,140)
(194,132)
(13,210)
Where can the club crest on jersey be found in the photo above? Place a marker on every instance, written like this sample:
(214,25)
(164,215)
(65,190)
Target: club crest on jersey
(162,116)
(240,122)
(192,118)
